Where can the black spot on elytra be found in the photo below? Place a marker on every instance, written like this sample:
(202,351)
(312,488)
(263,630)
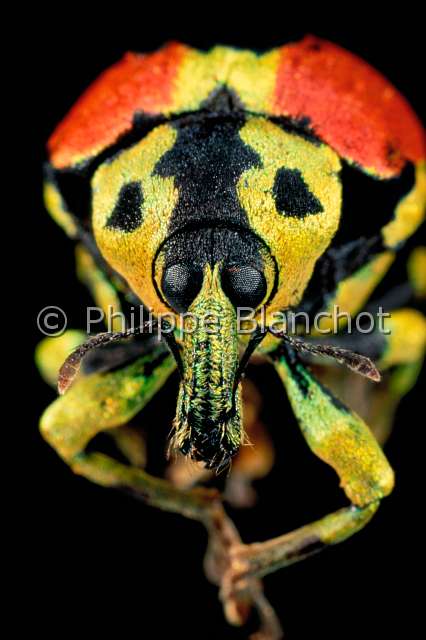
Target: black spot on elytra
(127,213)
(292,195)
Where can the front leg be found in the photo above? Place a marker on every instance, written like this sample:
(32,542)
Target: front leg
(106,402)
(259,559)
(340,438)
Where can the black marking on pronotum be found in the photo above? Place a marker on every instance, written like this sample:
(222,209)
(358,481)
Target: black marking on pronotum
(206,162)
(222,100)
(127,213)
(292,195)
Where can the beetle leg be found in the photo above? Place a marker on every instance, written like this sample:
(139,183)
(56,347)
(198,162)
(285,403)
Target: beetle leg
(106,402)
(416,267)
(103,402)
(259,559)
(131,443)
(405,342)
(49,356)
(186,473)
(340,438)
(335,434)
(401,361)
(353,292)
(355,288)
(399,355)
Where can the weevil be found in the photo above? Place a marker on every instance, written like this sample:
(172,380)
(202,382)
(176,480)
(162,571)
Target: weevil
(205,182)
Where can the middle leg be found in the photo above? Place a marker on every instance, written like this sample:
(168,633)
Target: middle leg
(342,440)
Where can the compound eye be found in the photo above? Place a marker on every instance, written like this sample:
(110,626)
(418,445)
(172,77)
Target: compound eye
(245,286)
(180,284)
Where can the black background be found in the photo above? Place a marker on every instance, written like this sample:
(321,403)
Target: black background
(96,560)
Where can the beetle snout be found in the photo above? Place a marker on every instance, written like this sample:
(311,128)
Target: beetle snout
(208,425)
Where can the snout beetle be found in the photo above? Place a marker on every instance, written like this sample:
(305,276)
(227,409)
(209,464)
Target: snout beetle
(202,182)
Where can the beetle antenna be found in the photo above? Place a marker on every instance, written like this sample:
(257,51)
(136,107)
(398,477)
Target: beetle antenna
(71,366)
(354,361)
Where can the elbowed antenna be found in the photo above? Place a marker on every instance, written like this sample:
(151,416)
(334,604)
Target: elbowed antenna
(354,361)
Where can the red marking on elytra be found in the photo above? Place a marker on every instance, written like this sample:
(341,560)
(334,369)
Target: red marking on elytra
(137,83)
(351,107)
